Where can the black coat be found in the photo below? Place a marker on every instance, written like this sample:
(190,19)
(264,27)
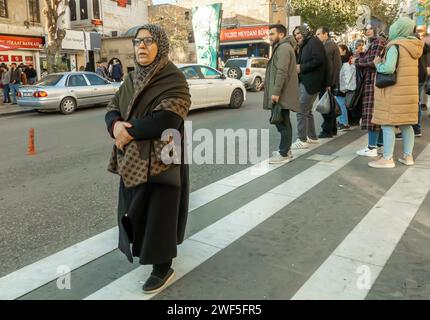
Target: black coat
(312,61)
(334,63)
(422,64)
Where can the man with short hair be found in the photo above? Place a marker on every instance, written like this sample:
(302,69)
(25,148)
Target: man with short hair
(15,80)
(311,64)
(101,70)
(31,74)
(282,88)
(334,64)
(5,80)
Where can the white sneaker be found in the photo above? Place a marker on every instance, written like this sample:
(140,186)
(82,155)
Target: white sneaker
(279,159)
(277,153)
(366,152)
(312,141)
(299,144)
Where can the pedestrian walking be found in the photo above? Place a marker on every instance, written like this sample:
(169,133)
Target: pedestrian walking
(5,80)
(31,74)
(396,105)
(115,71)
(333,66)
(365,62)
(311,67)
(282,87)
(15,81)
(153,193)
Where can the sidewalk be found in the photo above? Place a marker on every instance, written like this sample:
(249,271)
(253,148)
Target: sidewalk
(6,109)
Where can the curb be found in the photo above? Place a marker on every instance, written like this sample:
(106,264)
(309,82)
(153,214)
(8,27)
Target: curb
(12,113)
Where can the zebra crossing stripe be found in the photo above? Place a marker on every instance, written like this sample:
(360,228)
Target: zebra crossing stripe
(353,267)
(33,276)
(206,243)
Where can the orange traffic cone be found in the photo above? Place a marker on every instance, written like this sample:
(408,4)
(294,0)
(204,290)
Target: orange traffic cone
(31,151)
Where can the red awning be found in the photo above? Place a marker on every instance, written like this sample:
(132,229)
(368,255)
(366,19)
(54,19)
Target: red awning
(7,47)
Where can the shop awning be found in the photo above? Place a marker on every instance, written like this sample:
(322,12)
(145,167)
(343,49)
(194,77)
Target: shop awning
(7,47)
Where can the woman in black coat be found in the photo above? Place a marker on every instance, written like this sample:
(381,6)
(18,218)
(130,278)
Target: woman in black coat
(154,184)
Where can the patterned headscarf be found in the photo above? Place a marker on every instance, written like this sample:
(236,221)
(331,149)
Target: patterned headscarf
(143,73)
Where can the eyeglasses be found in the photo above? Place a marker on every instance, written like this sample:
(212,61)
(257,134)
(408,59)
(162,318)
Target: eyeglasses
(148,41)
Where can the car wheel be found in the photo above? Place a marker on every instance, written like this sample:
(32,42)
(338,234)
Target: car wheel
(236,99)
(68,105)
(257,85)
(234,73)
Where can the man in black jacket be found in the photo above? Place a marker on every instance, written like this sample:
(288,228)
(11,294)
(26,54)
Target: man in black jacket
(334,64)
(31,74)
(311,66)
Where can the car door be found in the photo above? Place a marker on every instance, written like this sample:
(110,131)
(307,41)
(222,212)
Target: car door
(103,91)
(262,67)
(78,87)
(217,87)
(198,88)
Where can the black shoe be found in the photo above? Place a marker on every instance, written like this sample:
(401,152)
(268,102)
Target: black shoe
(424,107)
(399,136)
(155,284)
(324,135)
(418,133)
(343,127)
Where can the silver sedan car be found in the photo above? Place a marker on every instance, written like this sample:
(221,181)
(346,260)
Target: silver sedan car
(65,92)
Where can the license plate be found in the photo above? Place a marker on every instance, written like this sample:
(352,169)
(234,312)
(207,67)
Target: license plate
(27,94)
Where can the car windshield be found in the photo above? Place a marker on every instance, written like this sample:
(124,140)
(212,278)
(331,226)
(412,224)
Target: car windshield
(50,80)
(236,63)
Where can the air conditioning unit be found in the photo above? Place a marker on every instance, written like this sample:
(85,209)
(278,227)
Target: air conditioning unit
(114,33)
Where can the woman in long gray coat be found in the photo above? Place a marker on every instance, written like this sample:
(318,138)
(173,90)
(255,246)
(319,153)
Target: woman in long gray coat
(153,193)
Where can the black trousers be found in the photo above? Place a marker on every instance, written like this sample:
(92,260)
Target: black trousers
(286,132)
(329,125)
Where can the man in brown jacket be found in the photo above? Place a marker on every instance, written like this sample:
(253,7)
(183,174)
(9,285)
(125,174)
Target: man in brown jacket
(282,87)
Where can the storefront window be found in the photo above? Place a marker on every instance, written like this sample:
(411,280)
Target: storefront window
(83,5)
(34,11)
(72,6)
(3,8)
(96,9)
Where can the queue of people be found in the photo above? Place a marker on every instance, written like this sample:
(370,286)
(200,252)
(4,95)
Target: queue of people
(348,74)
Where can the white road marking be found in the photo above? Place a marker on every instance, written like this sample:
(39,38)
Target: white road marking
(353,267)
(206,243)
(33,276)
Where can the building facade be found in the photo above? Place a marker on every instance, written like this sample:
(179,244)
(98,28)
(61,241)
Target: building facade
(111,18)
(22,35)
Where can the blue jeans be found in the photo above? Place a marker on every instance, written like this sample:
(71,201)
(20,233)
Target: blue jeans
(13,90)
(375,138)
(343,118)
(390,139)
(6,91)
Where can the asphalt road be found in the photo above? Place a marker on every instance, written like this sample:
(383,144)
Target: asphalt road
(64,194)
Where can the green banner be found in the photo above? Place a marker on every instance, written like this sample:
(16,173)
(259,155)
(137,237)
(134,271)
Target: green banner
(207,28)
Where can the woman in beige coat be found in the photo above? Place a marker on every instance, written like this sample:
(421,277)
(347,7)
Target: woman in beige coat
(397,105)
